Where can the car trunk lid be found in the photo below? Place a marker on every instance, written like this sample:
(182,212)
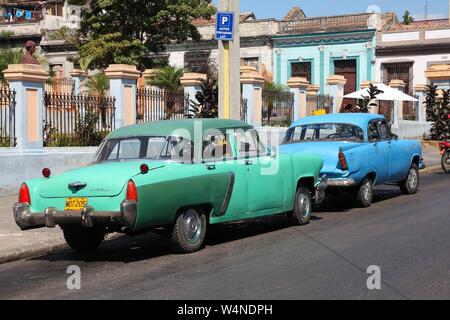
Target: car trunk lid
(106,179)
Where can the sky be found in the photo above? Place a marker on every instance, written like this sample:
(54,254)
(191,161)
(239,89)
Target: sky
(313,8)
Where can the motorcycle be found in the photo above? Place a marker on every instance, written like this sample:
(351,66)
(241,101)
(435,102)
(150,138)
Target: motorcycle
(445,152)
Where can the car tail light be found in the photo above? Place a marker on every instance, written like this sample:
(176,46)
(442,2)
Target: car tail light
(24,194)
(132,194)
(343,160)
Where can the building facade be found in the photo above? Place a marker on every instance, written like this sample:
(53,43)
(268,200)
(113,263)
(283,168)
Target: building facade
(317,48)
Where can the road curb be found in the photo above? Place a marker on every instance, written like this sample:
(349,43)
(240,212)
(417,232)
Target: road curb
(39,250)
(31,252)
(431,169)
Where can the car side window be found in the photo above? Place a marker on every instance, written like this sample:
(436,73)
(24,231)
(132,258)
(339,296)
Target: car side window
(374,134)
(216,147)
(249,144)
(178,149)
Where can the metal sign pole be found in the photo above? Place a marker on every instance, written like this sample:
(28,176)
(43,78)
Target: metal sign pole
(229,67)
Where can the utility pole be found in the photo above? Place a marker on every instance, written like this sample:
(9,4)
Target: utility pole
(229,67)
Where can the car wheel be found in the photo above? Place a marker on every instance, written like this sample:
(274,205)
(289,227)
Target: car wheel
(188,233)
(302,208)
(84,239)
(411,184)
(446,162)
(363,194)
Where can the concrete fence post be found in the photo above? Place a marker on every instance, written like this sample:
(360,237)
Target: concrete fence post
(252,87)
(421,91)
(336,90)
(78,76)
(191,83)
(298,88)
(28,82)
(398,105)
(123,83)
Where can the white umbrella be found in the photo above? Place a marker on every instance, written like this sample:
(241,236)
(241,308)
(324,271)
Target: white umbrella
(389,94)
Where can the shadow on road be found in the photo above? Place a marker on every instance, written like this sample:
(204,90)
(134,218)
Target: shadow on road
(128,249)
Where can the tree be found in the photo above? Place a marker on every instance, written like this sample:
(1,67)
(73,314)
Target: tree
(168,78)
(366,102)
(7,57)
(97,85)
(208,101)
(120,31)
(407,19)
(438,112)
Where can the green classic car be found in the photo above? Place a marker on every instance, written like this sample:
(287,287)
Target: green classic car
(177,175)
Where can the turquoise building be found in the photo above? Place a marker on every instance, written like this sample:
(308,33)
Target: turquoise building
(316,48)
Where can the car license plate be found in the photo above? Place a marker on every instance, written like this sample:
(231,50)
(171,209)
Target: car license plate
(75,204)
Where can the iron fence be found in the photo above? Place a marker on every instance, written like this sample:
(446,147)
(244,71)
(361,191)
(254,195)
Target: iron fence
(277,108)
(77,120)
(157,104)
(7,118)
(244,108)
(318,102)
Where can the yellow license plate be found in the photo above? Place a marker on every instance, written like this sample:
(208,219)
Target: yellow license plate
(75,204)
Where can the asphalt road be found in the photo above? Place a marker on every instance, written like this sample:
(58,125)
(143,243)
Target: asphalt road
(408,237)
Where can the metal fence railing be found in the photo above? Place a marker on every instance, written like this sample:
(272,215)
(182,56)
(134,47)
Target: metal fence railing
(158,104)
(277,108)
(318,102)
(244,108)
(7,118)
(71,120)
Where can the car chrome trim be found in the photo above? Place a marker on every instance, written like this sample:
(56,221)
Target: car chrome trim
(226,201)
(321,188)
(50,218)
(341,182)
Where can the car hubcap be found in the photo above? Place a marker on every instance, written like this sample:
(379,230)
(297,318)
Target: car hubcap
(192,227)
(413,179)
(304,206)
(367,191)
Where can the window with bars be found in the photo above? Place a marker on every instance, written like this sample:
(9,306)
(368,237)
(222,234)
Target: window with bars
(401,71)
(250,62)
(302,69)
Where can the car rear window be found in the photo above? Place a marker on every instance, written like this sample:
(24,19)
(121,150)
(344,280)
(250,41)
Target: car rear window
(325,132)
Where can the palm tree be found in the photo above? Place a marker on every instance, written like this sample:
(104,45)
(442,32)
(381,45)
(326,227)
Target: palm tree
(168,78)
(97,85)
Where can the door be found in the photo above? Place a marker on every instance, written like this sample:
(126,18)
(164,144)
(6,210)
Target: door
(219,157)
(382,152)
(347,68)
(265,182)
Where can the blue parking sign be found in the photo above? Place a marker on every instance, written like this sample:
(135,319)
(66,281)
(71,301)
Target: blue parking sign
(224,26)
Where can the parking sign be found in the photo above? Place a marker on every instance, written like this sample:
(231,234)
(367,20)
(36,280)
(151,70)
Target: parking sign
(224,26)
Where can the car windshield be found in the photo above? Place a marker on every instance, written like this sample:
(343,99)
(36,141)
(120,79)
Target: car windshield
(325,132)
(154,148)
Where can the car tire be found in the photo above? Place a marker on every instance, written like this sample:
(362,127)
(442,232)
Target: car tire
(411,184)
(363,194)
(84,239)
(301,214)
(189,230)
(445,163)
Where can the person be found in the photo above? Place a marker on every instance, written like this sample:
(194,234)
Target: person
(28,58)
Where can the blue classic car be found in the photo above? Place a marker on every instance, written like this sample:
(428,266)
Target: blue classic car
(359,152)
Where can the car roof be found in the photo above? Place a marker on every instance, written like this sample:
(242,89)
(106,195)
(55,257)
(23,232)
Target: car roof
(183,128)
(359,119)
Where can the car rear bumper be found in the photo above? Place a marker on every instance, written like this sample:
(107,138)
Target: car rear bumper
(88,217)
(341,182)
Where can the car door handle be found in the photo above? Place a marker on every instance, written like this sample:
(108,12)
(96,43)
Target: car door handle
(248,162)
(211,167)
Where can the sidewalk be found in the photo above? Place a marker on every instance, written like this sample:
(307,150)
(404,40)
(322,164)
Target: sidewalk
(16,244)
